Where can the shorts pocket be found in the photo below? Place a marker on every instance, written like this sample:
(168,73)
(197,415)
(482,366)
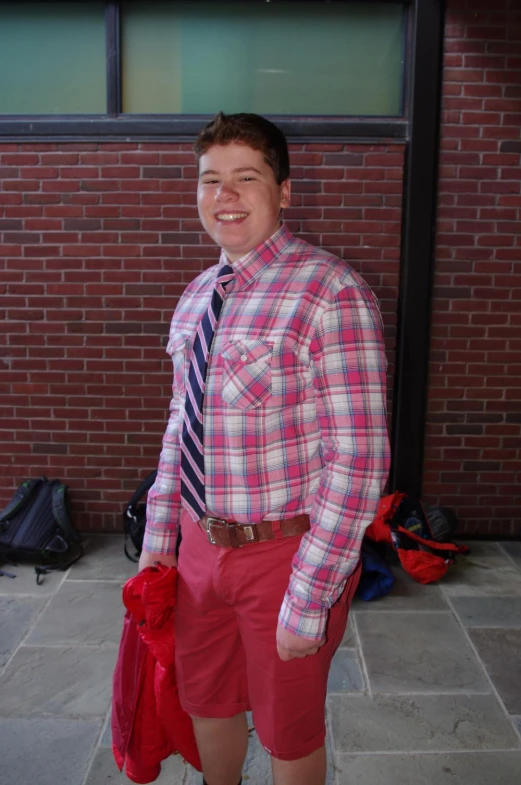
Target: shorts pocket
(246,373)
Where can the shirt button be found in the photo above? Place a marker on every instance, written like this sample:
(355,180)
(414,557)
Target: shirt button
(244,357)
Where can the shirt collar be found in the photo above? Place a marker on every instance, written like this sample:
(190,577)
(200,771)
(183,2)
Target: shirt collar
(249,265)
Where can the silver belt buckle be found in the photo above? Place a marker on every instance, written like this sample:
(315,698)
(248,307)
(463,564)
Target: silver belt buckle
(216,522)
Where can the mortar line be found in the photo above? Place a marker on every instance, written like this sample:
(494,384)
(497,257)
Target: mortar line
(388,611)
(492,750)
(509,557)
(429,693)
(67,644)
(121,581)
(363,664)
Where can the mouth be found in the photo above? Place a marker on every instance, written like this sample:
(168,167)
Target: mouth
(230,217)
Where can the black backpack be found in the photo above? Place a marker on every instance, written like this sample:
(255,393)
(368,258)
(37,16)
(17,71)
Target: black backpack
(36,526)
(135,518)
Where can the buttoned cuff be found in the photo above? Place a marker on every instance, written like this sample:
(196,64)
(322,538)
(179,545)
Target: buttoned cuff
(304,622)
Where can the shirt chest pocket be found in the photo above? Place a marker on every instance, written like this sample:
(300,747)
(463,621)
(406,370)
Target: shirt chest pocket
(246,373)
(177,348)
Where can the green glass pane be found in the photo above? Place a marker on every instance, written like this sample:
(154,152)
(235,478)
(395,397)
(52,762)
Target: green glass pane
(299,58)
(52,58)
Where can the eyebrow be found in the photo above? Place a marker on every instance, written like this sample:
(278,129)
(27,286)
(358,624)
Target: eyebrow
(238,170)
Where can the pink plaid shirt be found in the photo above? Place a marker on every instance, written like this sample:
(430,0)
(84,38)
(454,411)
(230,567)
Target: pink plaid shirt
(294,413)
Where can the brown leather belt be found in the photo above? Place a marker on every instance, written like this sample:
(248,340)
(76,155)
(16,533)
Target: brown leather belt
(228,534)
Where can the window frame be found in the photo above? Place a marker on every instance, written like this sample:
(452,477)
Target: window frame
(115,124)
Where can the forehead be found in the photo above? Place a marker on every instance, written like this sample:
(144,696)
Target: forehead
(231,156)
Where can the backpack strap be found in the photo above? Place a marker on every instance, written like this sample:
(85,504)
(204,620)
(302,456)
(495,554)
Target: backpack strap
(44,569)
(20,496)
(144,486)
(131,558)
(434,545)
(61,513)
(62,518)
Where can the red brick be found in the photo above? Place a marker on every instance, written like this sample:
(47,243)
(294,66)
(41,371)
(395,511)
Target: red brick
(482,90)
(463,75)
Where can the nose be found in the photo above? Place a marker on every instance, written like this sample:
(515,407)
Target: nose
(226,192)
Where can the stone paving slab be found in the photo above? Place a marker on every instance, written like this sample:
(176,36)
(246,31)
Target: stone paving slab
(512,549)
(81,612)
(418,652)
(500,652)
(17,614)
(104,560)
(486,571)
(485,768)
(345,674)
(419,723)
(488,611)
(46,752)
(25,581)
(60,682)
(406,595)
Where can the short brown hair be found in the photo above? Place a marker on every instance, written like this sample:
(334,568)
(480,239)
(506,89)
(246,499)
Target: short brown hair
(252,130)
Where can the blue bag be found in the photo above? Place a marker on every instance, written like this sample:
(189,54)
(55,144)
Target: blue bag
(377,579)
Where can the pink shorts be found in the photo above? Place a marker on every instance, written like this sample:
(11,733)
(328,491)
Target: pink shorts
(226,656)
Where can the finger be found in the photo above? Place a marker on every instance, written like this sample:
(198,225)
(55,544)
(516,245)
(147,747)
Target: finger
(284,654)
(301,654)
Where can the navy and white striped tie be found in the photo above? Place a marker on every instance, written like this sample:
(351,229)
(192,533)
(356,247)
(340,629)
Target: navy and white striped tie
(192,458)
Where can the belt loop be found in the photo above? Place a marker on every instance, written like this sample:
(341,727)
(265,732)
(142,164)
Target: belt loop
(277,530)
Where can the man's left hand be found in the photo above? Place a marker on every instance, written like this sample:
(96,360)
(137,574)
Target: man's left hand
(291,646)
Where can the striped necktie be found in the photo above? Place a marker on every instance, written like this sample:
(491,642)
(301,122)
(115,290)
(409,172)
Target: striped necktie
(192,458)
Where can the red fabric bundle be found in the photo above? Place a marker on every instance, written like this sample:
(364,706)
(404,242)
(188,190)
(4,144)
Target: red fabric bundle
(402,523)
(148,723)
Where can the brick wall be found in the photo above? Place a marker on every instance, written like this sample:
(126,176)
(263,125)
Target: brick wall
(473,432)
(97,241)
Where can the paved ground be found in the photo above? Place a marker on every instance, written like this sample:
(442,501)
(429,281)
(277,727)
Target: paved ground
(426,688)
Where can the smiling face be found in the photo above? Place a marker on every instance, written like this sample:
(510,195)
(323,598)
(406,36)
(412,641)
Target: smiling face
(238,198)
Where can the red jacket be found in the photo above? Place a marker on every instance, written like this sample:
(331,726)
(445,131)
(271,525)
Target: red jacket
(148,723)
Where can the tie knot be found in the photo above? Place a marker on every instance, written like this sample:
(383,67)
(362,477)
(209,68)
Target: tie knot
(225,274)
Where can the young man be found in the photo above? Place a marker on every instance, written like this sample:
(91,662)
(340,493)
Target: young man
(274,480)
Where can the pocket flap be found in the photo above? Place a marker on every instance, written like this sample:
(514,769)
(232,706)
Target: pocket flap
(247,351)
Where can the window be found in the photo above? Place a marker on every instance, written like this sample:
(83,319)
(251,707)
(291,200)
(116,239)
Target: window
(285,58)
(52,58)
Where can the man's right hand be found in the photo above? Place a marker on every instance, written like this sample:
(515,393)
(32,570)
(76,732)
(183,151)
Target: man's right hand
(149,559)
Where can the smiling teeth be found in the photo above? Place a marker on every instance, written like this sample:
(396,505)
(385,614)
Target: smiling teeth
(231,216)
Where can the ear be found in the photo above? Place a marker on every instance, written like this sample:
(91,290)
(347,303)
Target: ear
(285,194)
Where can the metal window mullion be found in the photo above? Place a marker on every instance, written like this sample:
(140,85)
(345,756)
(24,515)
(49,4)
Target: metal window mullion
(113,54)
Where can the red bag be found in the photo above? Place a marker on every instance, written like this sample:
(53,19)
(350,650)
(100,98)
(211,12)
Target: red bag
(402,523)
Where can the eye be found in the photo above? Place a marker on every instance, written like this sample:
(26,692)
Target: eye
(247,179)
(210,182)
